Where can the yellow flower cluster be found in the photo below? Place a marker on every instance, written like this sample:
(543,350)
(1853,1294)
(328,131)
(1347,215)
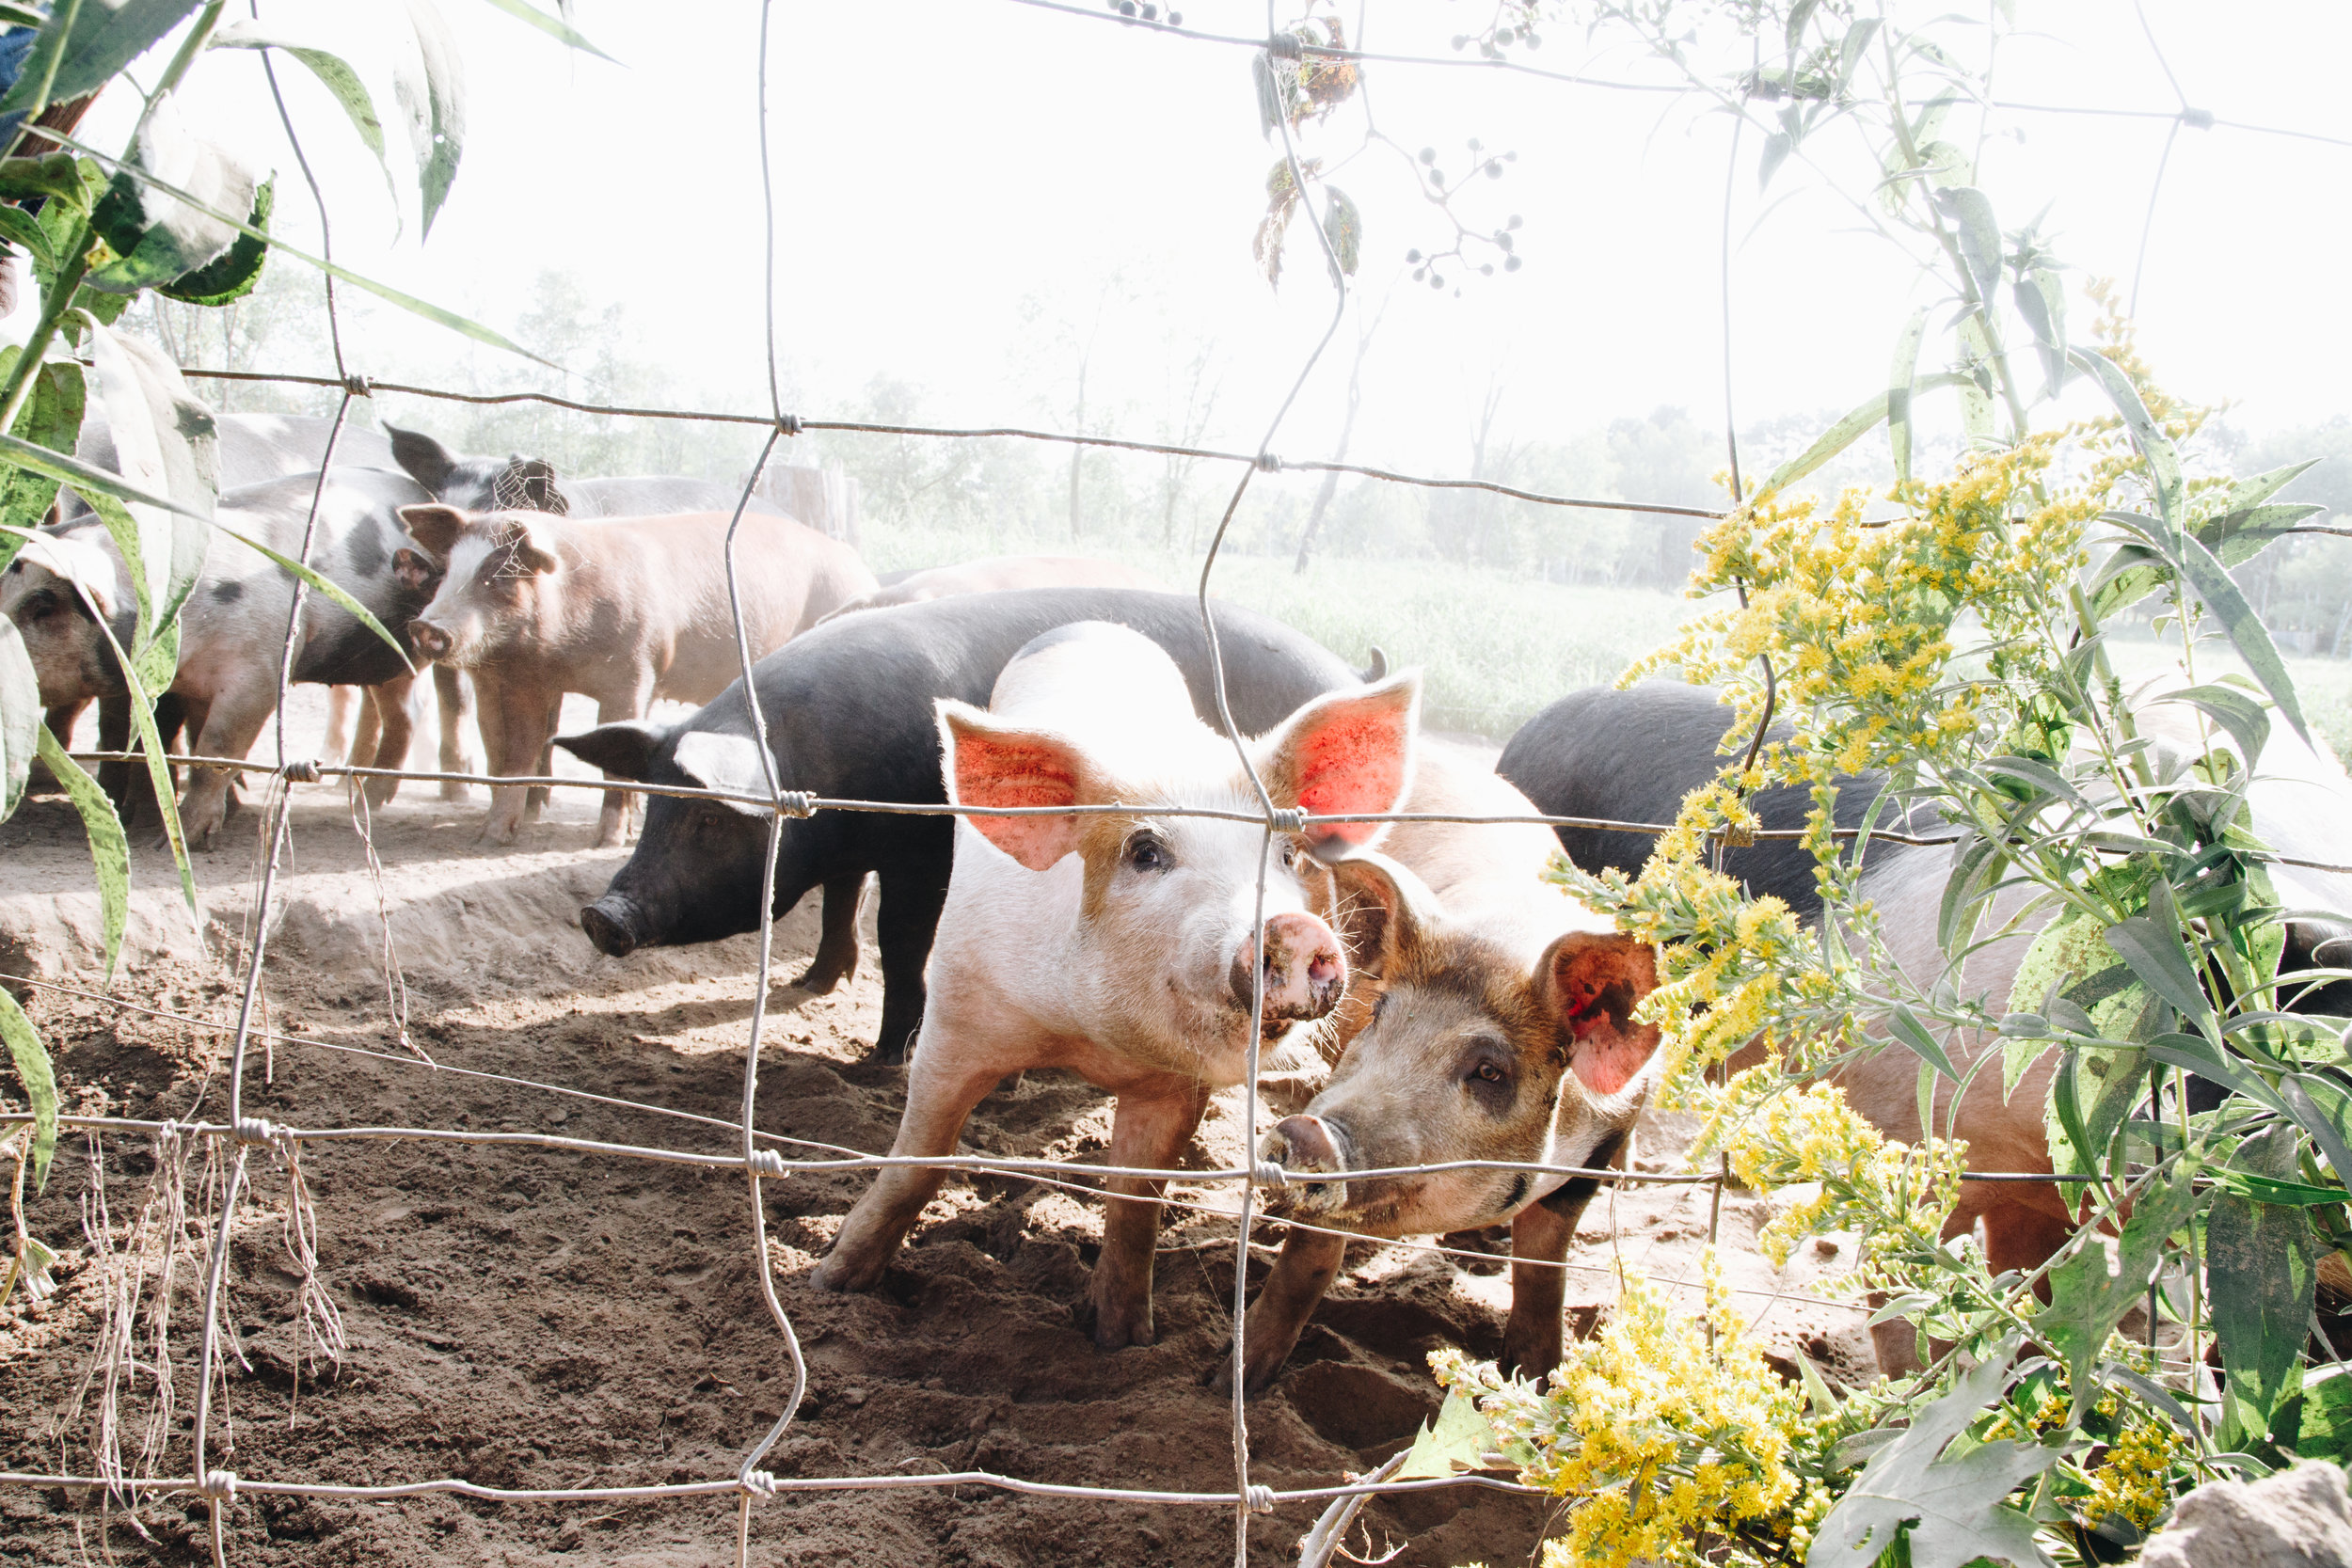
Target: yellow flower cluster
(2134,1482)
(1778,1133)
(1667,1434)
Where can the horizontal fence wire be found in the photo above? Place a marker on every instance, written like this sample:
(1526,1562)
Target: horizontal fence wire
(794,424)
(801,803)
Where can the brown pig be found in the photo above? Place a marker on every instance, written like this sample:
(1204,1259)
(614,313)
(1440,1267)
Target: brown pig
(1500,1028)
(625,610)
(1126,945)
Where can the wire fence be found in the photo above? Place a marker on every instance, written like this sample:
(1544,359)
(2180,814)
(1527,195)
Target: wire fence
(758,1157)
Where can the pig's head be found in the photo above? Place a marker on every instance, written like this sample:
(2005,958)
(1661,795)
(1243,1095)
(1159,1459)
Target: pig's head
(695,874)
(1483,1045)
(56,591)
(509,483)
(1168,942)
(495,570)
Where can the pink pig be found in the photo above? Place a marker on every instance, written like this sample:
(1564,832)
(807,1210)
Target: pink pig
(1123,945)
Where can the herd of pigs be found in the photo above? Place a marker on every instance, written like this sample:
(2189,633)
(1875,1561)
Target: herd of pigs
(1474,1016)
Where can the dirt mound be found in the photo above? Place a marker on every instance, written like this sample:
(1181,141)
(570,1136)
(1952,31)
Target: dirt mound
(528,1318)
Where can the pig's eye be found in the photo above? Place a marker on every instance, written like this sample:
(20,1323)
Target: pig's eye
(41,605)
(1147,852)
(1290,854)
(1486,1072)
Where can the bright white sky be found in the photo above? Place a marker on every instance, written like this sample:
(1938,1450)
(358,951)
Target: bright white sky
(940,162)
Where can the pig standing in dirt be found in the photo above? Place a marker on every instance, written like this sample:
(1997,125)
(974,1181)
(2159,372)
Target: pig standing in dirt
(1499,1027)
(849,716)
(998,574)
(1124,946)
(533,606)
(2300,803)
(233,626)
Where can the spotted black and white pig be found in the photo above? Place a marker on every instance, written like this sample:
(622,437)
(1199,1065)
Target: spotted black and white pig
(997,573)
(1128,945)
(533,606)
(848,710)
(1500,1028)
(233,626)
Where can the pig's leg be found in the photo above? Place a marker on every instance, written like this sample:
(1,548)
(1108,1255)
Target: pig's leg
(616,823)
(836,947)
(395,728)
(122,781)
(361,753)
(455,701)
(1310,1262)
(544,766)
(519,717)
(342,739)
(1539,1241)
(948,1079)
(232,723)
(911,897)
(1150,1130)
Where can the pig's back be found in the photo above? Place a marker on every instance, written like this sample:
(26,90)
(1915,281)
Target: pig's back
(1489,872)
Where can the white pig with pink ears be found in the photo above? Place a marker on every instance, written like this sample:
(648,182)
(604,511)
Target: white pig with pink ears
(1123,945)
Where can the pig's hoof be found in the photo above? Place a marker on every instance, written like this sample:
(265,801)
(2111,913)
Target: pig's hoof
(1115,1332)
(380,791)
(837,1273)
(819,978)
(886,1054)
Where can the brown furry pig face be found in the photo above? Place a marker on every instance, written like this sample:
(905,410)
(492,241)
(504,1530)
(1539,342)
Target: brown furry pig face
(1486,1042)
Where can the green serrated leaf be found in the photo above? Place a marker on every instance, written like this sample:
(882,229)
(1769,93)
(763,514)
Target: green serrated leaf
(2156,447)
(2247,633)
(1902,381)
(109,846)
(334,74)
(1456,1441)
(21,226)
(434,100)
(91,44)
(2091,1291)
(1947,1511)
(38,1077)
(235,272)
(2152,949)
(158,234)
(2261,1264)
(554,27)
(1976,234)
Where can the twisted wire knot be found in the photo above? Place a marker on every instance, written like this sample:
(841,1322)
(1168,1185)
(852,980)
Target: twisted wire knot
(358,386)
(1283,46)
(220,1485)
(253,1130)
(301,772)
(1261,1499)
(766,1162)
(788,423)
(795,802)
(1287,819)
(759,1483)
(1267,463)
(1269,1173)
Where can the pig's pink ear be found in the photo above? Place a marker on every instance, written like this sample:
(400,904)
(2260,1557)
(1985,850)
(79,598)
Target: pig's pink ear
(530,550)
(1384,912)
(434,526)
(415,569)
(1592,981)
(988,765)
(1347,752)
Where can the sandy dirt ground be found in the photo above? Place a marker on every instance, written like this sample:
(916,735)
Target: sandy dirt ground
(527,1318)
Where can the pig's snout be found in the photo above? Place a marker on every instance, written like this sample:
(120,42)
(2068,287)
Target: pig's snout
(1304,970)
(611,923)
(429,639)
(1305,1145)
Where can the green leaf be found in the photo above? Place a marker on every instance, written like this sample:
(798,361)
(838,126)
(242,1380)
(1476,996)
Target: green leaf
(2236,538)
(2324,1429)
(21,226)
(109,847)
(1977,235)
(2155,953)
(324,585)
(1904,1025)
(93,44)
(1900,381)
(1952,1509)
(2042,300)
(235,272)
(1459,1439)
(164,442)
(40,1079)
(85,477)
(1976,387)
(20,717)
(1776,150)
(2261,1268)
(2091,1291)
(163,212)
(52,418)
(2246,632)
(1845,433)
(552,26)
(430,87)
(1344,226)
(334,74)
(407,301)
(2156,447)
(2240,716)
